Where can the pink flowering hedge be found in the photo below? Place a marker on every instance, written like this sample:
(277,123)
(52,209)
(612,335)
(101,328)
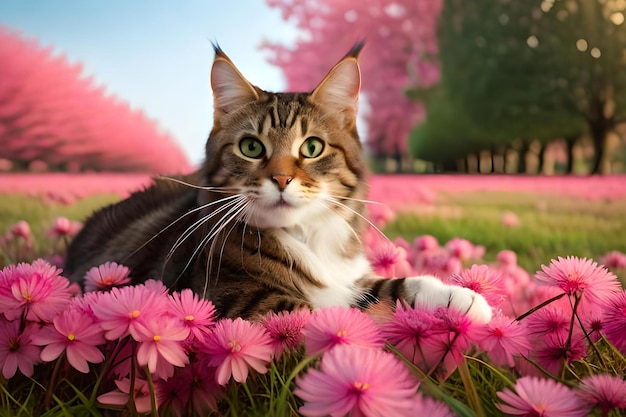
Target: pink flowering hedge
(555,347)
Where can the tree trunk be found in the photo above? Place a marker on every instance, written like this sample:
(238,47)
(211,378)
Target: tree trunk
(398,158)
(570,143)
(541,157)
(599,133)
(449,165)
(523,152)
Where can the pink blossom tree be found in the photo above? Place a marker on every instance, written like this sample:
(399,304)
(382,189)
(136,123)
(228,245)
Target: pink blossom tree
(400,46)
(51,112)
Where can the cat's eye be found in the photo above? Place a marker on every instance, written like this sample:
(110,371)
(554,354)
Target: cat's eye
(252,147)
(312,147)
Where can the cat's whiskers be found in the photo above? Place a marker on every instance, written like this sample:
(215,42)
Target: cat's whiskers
(234,208)
(340,204)
(198,223)
(330,208)
(233,218)
(196,209)
(358,200)
(200,187)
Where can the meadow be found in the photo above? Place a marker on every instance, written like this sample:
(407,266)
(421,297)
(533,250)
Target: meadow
(551,216)
(555,347)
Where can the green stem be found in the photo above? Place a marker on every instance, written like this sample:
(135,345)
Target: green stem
(493,369)
(153,404)
(470,389)
(540,306)
(53,379)
(282,397)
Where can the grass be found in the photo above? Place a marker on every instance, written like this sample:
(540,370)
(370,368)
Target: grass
(549,226)
(41,214)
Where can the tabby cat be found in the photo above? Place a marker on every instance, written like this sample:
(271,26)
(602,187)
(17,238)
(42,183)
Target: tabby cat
(272,220)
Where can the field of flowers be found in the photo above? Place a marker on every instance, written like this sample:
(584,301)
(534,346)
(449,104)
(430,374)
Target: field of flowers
(556,345)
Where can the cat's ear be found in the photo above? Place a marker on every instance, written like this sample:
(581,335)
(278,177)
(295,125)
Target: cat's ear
(230,88)
(339,90)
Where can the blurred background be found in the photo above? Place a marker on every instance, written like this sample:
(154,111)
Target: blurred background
(96,97)
(504,86)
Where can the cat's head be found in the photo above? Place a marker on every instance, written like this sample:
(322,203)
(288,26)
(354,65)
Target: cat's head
(293,156)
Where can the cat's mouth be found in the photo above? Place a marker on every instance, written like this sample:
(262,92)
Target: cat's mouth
(282,203)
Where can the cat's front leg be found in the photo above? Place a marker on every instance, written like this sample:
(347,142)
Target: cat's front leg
(429,292)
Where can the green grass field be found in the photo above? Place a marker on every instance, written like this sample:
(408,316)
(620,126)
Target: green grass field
(549,226)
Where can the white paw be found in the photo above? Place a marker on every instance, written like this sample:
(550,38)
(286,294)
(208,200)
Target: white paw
(431,293)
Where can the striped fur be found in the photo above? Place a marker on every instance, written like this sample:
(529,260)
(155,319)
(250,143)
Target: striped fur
(272,220)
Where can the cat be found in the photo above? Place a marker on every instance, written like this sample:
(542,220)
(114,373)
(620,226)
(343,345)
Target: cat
(273,219)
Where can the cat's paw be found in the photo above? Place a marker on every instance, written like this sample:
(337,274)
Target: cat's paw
(431,293)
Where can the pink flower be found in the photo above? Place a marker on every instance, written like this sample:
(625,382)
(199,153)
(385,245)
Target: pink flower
(482,280)
(16,348)
(173,393)
(605,391)
(510,219)
(197,314)
(106,276)
(615,320)
(236,345)
(75,334)
(36,290)
(121,395)
(502,338)
(333,326)
(121,309)
(425,242)
(380,214)
(427,407)
(556,349)
(580,277)
(194,386)
(541,397)
(453,334)
(408,330)
(507,258)
(387,259)
(550,320)
(285,329)
(64,227)
(614,259)
(160,346)
(22,230)
(357,381)
(460,248)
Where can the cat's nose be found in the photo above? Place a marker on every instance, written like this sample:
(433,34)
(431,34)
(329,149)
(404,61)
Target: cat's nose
(282,181)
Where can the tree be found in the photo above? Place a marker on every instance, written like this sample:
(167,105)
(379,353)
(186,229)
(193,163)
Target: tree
(399,35)
(535,70)
(50,112)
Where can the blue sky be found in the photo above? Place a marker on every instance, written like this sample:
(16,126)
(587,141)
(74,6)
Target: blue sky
(157,54)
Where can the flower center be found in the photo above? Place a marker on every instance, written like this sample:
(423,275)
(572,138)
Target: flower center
(71,337)
(134,314)
(234,346)
(189,318)
(497,332)
(342,333)
(573,284)
(156,337)
(360,386)
(14,344)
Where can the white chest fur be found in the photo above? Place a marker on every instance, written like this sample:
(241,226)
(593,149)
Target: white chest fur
(317,248)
